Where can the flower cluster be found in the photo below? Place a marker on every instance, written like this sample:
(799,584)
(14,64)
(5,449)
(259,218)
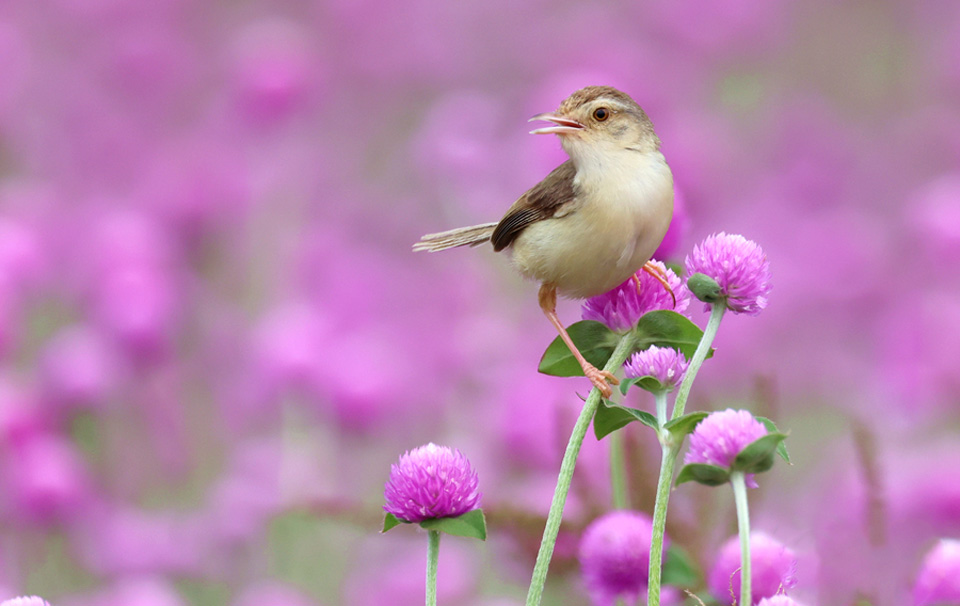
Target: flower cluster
(615,556)
(622,307)
(739,268)
(774,568)
(665,364)
(431,482)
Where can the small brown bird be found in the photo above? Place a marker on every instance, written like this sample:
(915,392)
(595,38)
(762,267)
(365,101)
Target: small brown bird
(596,219)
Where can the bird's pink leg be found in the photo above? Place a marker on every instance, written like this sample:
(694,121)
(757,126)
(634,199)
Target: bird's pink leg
(659,276)
(548,303)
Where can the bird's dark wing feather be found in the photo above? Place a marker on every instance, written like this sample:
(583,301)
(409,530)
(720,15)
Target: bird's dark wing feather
(539,203)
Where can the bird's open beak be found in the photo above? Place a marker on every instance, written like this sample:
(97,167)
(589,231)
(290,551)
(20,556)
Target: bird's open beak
(562,124)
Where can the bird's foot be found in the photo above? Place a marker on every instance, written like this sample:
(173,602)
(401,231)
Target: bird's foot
(660,276)
(601,379)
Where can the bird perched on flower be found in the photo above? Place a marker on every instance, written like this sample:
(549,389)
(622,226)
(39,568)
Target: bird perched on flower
(596,219)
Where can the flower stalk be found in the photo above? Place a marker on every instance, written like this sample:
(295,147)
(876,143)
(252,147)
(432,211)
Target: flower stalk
(739,483)
(552,529)
(433,558)
(703,348)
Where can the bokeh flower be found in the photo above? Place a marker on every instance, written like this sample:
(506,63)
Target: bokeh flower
(665,364)
(939,579)
(431,482)
(774,568)
(621,307)
(779,600)
(615,556)
(740,268)
(25,601)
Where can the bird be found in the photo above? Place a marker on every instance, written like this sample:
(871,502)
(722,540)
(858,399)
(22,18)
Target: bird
(595,220)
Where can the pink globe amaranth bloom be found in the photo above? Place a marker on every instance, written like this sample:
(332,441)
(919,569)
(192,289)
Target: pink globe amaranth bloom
(665,364)
(939,578)
(722,435)
(773,569)
(431,482)
(615,556)
(621,307)
(779,600)
(25,601)
(739,266)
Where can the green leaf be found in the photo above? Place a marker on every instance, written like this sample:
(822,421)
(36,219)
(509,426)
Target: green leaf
(758,455)
(681,426)
(645,382)
(666,328)
(594,340)
(391,521)
(772,428)
(708,475)
(471,524)
(705,288)
(611,417)
(680,570)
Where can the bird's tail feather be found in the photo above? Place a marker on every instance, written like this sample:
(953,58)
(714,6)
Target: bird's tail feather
(462,236)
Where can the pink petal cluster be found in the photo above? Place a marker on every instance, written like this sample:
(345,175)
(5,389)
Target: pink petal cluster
(431,482)
(773,568)
(615,556)
(622,307)
(722,435)
(738,265)
(664,364)
(25,601)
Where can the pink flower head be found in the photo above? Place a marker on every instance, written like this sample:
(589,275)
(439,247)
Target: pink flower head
(25,601)
(773,567)
(939,578)
(621,307)
(739,266)
(665,364)
(721,436)
(615,556)
(431,482)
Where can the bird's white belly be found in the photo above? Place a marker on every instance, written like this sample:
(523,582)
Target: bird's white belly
(601,244)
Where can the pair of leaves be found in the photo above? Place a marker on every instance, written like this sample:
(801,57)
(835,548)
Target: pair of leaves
(471,524)
(611,417)
(663,328)
(756,457)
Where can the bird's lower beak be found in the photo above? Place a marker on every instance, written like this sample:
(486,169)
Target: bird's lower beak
(562,124)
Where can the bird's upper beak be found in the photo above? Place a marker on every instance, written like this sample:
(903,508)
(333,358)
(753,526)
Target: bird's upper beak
(562,126)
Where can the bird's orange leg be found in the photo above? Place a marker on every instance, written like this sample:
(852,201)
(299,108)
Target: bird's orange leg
(548,303)
(659,276)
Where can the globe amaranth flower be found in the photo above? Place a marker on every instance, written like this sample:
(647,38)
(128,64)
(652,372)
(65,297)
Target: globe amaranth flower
(738,266)
(25,601)
(939,578)
(615,556)
(721,436)
(621,307)
(773,569)
(431,482)
(665,364)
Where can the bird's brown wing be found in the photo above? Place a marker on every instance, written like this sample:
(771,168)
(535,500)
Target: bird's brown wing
(541,202)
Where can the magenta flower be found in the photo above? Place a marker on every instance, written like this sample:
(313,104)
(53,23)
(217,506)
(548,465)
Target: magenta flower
(738,266)
(25,601)
(431,482)
(774,569)
(665,364)
(621,307)
(615,556)
(939,578)
(721,436)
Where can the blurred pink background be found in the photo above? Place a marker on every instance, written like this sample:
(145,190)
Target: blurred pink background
(214,338)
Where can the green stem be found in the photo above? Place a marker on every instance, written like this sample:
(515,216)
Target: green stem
(660,398)
(739,483)
(669,458)
(433,557)
(555,515)
(618,472)
(709,333)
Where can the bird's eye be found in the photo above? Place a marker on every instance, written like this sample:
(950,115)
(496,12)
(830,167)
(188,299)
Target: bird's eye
(601,114)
